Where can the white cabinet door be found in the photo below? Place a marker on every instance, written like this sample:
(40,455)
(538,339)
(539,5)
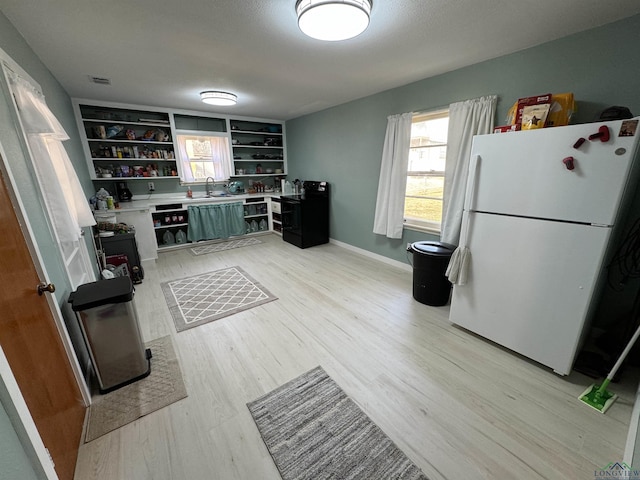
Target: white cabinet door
(530,285)
(522,173)
(145,234)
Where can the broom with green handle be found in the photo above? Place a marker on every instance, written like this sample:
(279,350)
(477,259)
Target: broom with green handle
(597,396)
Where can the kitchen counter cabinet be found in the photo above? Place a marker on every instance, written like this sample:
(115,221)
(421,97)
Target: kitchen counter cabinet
(276,215)
(141,212)
(170,217)
(145,235)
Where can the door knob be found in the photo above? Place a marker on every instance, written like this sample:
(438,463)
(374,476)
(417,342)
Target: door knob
(46,287)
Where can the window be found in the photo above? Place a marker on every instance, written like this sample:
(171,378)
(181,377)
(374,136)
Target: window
(203,155)
(425,173)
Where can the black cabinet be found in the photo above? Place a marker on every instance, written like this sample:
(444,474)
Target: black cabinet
(305,218)
(124,244)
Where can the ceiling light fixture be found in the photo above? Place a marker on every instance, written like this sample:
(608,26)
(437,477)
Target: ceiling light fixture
(214,97)
(333,20)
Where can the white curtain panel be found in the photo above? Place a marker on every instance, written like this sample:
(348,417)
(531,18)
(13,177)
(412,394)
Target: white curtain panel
(466,119)
(220,155)
(389,216)
(57,177)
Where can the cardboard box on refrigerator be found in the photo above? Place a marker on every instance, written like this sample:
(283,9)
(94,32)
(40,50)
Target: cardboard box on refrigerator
(561,108)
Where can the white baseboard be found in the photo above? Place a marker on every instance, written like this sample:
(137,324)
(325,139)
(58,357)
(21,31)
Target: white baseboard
(375,256)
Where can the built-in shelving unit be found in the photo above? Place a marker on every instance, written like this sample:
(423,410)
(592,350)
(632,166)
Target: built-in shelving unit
(126,143)
(168,221)
(258,148)
(256,215)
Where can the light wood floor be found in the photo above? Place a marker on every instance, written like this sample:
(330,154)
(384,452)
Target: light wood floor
(457,405)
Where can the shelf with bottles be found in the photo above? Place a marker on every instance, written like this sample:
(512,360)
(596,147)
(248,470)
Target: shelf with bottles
(170,217)
(255,225)
(112,149)
(171,236)
(170,222)
(130,136)
(130,169)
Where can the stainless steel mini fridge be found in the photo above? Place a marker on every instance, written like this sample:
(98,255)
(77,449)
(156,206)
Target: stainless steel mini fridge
(108,319)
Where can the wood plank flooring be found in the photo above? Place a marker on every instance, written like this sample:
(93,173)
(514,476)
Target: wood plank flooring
(457,405)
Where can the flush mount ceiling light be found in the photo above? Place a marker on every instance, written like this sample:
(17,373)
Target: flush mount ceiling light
(213,97)
(333,20)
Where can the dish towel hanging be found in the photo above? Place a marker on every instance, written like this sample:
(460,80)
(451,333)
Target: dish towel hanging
(458,268)
(219,220)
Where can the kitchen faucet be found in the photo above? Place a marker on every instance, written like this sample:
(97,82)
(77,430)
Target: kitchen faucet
(209,192)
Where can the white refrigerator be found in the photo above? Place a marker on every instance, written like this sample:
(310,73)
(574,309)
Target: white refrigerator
(541,207)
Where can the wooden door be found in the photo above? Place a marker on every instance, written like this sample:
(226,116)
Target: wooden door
(33,346)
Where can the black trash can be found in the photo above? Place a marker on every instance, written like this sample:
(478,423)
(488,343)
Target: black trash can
(430,261)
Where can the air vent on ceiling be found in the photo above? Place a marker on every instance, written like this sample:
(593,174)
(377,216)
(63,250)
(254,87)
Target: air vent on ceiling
(100,80)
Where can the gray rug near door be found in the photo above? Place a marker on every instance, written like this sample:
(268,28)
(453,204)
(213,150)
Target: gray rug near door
(162,387)
(314,431)
(222,246)
(201,299)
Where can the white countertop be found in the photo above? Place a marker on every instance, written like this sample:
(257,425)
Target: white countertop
(144,202)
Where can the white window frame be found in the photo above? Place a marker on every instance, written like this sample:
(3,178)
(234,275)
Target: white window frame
(226,164)
(413,223)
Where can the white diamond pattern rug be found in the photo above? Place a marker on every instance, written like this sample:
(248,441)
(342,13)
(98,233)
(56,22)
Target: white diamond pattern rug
(194,301)
(221,246)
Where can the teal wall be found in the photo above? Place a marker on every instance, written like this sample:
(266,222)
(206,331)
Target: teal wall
(343,144)
(14,462)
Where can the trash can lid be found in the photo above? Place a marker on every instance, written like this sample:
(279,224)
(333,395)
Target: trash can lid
(437,249)
(102,292)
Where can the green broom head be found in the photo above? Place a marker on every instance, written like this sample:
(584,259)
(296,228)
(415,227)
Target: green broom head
(598,397)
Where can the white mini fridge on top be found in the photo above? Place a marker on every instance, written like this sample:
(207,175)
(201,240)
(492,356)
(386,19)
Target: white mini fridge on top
(538,224)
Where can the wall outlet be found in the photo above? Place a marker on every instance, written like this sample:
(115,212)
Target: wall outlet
(152,186)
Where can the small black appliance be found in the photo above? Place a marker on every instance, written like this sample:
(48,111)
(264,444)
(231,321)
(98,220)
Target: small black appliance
(123,193)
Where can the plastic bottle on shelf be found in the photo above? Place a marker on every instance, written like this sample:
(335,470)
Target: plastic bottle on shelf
(168,238)
(254,226)
(262,226)
(181,237)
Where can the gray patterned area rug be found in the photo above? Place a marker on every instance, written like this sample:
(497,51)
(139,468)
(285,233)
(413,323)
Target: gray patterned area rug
(162,387)
(219,247)
(201,299)
(314,431)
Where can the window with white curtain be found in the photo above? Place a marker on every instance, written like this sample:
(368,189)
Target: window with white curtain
(203,155)
(425,172)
